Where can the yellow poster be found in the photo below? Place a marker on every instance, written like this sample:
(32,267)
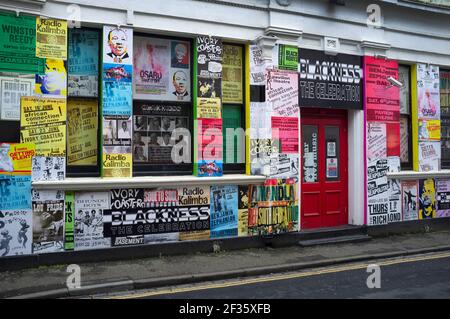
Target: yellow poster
(117,165)
(51,38)
(429,130)
(43,122)
(209,108)
(53,82)
(243,222)
(195,235)
(82,115)
(15,158)
(41,111)
(232,74)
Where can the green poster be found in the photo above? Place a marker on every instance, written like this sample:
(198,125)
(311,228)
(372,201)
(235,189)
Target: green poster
(232,120)
(18,44)
(69,222)
(288,57)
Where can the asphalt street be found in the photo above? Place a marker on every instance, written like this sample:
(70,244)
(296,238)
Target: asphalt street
(425,276)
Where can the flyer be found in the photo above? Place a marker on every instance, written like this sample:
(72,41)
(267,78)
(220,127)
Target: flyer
(282,92)
(410,196)
(45,168)
(15,232)
(224,211)
(210,147)
(428,100)
(51,38)
(427,198)
(443,198)
(377,192)
(11,90)
(232,72)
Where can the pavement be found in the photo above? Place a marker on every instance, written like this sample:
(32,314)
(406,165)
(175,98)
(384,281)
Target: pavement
(145,273)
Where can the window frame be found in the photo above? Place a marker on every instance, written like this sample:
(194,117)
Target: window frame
(237,168)
(408,165)
(140,169)
(445,163)
(88,170)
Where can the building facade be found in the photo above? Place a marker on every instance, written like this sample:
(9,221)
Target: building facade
(132,123)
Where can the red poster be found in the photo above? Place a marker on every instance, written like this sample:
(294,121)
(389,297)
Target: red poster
(381,98)
(210,139)
(393,139)
(285,129)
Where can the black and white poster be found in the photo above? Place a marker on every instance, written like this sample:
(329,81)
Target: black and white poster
(88,230)
(209,57)
(377,192)
(156,211)
(156,129)
(48,221)
(16,234)
(45,168)
(395,203)
(331,81)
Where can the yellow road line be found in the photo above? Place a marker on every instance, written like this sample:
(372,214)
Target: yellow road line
(280,277)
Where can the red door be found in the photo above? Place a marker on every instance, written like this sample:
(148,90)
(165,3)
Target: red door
(324,186)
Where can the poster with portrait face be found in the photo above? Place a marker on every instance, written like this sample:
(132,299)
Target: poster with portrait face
(54,81)
(161,69)
(428,100)
(117,45)
(427,198)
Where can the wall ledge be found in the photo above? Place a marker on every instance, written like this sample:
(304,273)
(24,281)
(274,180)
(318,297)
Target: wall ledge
(98,183)
(445,173)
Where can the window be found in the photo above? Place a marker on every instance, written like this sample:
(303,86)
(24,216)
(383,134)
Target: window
(445,117)
(405,118)
(233,110)
(83,102)
(162,105)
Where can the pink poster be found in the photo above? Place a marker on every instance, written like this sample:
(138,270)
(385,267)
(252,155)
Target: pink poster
(282,92)
(285,129)
(382,99)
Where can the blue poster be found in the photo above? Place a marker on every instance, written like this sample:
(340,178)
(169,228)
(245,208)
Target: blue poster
(117,90)
(15,192)
(208,168)
(224,211)
(83,49)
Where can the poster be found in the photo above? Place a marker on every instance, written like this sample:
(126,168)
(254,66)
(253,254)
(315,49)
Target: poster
(69,221)
(331,81)
(310,154)
(429,156)
(382,98)
(242,210)
(137,212)
(43,122)
(284,165)
(257,69)
(117,90)
(410,197)
(210,147)
(282,92)
(332,167)
(157,128)
(405,94)
(11,90)
(393,138)
(395,202)
(161,69)
(232,71)
(82,130)
(209,77)
(427,199)
(443,198)
(15,232)
(428,100)
(88,226)
(15,158)
(377,192)
(117,131)
(53,82)
(261,151)
(83,62)
(273,207)
(260,120)
(117,162)
(288,57)
(224,211)
(45,168)
(117,45)
(285,133)
(429,130)
(48,221)
(51,38)
(15,192)
(18,44)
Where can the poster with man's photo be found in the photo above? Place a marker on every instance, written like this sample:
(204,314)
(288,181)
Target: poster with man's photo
(161,69)
(117,45)
(156,129)
(117,131)
(48,221)
(16,234)
(89,220)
